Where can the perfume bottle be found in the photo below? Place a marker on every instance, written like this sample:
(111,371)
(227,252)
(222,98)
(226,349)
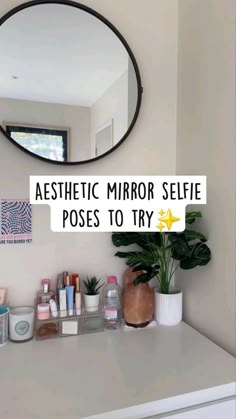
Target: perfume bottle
(74,283)
(45,295)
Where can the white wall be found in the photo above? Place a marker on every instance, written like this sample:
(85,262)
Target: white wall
(206,145)
(150,149)
(76,118)
(112,105)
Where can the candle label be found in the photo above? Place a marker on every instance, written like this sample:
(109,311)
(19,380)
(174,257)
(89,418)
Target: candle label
(22,328)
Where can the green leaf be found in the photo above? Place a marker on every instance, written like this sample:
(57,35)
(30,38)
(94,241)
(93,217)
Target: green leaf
(179,247)
(127,239)
(142,267)
(201,252)
(191,217)
(188,263)
(194,235)
(143,278)
(154,239)
(128,254)
(147,270)
(135,258)
(143,239)
(200,256)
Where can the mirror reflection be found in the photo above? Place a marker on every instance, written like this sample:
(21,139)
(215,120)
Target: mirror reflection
(69,90)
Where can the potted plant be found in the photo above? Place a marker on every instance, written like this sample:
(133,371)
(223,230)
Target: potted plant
(159,255)
(91,296)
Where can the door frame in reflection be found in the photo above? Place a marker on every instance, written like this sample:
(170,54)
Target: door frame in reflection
(108,124)
(63,133)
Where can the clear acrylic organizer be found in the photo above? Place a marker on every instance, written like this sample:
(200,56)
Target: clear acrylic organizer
(69,325)
(4,327)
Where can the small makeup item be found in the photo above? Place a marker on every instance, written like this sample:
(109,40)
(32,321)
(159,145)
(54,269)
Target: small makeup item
(60,284)
(78,303)
(53,308)
(2,296)
(78,297)
(43,311)
(62,302)
(67,280)
(77,284)
(74,279)
(64,275)
(70,299)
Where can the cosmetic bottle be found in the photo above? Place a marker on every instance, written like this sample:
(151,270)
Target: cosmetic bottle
(45,294)
(74,278)
(67,281)
(62,302)
(69,299)
(60,284)
(77,297)
(53,308)
(112,303)
(64,276)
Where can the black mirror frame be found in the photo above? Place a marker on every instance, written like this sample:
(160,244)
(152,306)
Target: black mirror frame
(128,49)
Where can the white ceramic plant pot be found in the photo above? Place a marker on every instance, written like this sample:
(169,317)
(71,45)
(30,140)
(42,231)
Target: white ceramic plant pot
(168,307)
(91,302)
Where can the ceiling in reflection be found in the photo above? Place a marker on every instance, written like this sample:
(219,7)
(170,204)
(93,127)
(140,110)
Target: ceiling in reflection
(59,54)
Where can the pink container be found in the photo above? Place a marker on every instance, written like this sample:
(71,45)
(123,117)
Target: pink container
(43,311)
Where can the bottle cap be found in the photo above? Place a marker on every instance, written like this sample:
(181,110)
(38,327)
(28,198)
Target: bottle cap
(112,279)
(3,310)
(45,285)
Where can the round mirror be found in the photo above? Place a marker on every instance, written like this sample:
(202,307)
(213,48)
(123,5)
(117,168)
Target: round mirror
(70,88)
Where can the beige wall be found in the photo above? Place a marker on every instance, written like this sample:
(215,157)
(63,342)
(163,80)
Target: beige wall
(206,145)
(76,118)
(143,153)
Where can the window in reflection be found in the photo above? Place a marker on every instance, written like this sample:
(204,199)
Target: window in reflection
(48,143)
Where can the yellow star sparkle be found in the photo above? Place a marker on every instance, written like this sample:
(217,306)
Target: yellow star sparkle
(169,219)
(161,213)
(160,226)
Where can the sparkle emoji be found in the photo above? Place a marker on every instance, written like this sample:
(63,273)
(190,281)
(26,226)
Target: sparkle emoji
(167,218)
(162,213)
(160,226)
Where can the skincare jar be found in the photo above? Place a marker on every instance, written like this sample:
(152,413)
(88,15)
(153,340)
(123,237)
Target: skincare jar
(43,311)
(21,324)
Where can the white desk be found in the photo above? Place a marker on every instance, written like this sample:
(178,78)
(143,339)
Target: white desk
(121,374)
